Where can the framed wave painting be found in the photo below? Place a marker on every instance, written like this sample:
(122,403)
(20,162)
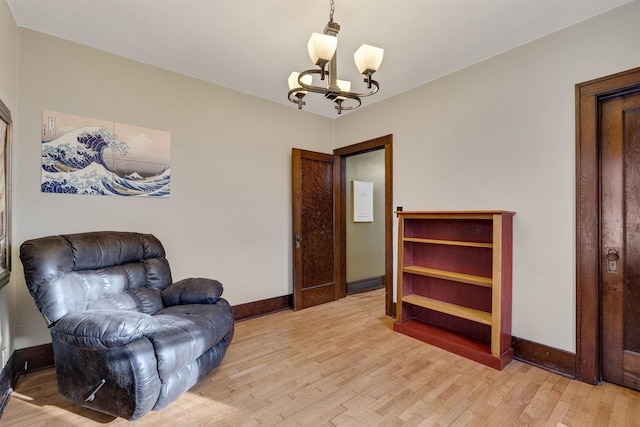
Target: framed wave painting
(6,126)
(81,155)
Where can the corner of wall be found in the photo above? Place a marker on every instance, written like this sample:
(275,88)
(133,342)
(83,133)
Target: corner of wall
(9,96)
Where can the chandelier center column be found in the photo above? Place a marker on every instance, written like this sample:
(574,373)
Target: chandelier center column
(332,29)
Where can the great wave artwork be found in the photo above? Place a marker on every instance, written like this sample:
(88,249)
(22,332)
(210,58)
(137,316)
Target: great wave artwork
(89,156)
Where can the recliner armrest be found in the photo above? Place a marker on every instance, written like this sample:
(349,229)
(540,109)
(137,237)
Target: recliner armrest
(192,291)
(103,329)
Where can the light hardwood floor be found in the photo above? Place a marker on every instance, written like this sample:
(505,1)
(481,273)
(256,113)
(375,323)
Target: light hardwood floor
(341,364)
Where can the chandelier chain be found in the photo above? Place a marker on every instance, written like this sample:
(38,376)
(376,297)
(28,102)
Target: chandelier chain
(333,8)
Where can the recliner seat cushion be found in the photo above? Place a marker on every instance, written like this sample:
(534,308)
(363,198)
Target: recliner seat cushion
(185,332)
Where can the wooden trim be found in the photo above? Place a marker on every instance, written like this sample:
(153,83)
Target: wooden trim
(296,221)
(339,271)
(6,384)
(386,143)
(364,147)
(32,359)
(588,96)
(388,218)
(262,308)
(21,362)
(341,240)
(545,357)
(365,285)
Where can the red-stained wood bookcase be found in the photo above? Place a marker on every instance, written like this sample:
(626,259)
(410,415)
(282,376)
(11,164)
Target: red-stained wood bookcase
(454,282)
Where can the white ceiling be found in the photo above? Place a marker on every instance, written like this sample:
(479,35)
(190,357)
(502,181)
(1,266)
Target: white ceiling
(253,45)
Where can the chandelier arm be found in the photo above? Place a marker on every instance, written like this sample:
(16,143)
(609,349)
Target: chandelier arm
(354,95)
(317,89)
(312,88)
(342,108)
(324,90)
(296,96)
(293,92)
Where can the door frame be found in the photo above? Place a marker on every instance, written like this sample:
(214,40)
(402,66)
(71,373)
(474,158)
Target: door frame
(588,251)
(381,143)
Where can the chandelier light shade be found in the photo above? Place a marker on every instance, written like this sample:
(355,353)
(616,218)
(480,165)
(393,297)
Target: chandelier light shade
(368,60)
(322,51)
(293,81)
(321,48)
(344,85)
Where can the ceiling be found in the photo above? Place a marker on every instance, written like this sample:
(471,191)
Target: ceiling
(253,45)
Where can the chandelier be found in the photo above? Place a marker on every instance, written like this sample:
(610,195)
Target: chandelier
(322,50)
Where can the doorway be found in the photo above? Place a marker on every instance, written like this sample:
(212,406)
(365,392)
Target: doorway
(365,178)
(384,144)
(319,223)
(607,131)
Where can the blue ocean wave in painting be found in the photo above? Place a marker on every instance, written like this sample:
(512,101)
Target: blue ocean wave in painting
(74,163)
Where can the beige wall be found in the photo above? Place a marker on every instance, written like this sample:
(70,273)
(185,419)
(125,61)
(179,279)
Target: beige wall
(9,61)
(365,240)
(500,135)
(229,214)
(8,95)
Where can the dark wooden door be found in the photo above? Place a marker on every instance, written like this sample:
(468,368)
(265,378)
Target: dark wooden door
(620,250)
(315,228)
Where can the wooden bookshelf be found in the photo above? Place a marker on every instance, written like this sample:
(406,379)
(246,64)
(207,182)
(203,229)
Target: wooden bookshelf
(454,282)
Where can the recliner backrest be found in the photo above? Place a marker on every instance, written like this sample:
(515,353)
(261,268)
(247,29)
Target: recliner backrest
(99,270)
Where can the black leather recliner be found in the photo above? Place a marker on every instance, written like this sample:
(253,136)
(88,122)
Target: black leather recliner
(126,339)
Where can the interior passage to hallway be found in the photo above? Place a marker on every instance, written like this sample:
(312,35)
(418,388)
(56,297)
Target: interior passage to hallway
(341,364)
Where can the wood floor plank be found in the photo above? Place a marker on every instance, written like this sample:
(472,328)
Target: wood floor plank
(341,364)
